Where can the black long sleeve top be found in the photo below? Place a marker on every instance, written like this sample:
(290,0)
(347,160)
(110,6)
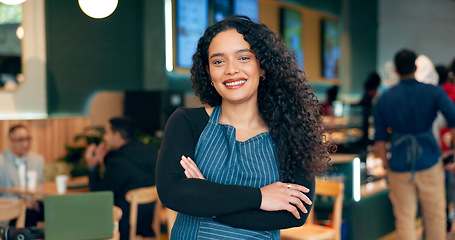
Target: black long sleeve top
(236,206)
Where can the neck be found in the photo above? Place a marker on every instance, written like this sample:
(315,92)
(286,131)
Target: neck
(408,76)
(18,155)
(120,143)
(240,115)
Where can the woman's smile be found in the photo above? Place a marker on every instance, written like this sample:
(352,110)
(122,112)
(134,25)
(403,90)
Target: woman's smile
(234,83)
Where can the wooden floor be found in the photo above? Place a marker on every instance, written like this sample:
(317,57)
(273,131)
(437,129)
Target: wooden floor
(419,231)
(450,236)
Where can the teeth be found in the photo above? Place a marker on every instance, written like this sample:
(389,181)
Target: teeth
(235,83)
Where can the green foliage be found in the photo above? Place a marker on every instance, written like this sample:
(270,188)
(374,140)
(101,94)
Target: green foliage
(148,139)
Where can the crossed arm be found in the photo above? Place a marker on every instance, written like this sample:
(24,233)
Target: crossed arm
(272,207)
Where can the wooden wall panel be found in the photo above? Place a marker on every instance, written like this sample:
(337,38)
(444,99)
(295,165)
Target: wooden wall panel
(49,135)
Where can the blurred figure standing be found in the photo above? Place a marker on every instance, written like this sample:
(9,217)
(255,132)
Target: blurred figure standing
(327,108)
(408,110)
(371,89)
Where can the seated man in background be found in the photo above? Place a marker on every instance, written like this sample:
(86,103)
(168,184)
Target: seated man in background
(128,164)
(14,165)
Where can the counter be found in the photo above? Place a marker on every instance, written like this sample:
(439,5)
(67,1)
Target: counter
(367,210)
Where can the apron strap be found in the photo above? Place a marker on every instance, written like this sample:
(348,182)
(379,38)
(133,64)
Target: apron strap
(413,147)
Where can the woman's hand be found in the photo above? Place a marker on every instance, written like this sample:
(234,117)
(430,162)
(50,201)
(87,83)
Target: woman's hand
(191,169)
(281,196)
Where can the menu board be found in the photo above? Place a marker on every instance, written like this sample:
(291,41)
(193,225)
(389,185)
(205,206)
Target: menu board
(221,10)
(330,49)
(249,8)
(291,30)
(192,20)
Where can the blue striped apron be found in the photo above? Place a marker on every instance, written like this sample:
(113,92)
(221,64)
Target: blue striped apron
(224,160)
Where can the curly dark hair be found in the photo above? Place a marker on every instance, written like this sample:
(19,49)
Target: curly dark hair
(286,100)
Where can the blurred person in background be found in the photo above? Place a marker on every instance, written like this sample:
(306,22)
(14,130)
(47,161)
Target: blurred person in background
(426,71)
(126,164)
(371,89)
(327,108)
(414,171)
(14,165)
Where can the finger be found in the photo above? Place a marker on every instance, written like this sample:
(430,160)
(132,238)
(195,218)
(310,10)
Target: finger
(183,164)
(192,165)
(300,188)
(302,197)
(192,173)
(191,162)
(292,209)
(91,148)
(187,174)
(296,202)
(186,164)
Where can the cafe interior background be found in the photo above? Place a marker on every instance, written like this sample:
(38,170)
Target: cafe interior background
(78,71)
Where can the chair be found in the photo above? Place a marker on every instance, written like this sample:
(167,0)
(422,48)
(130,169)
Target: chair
(171,216)
(13,209)
(143,196)
(117,215)
(313,231)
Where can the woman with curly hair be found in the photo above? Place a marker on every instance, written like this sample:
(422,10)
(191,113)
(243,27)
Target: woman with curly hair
(245,166)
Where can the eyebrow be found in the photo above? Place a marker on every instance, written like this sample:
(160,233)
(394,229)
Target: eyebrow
(238,51)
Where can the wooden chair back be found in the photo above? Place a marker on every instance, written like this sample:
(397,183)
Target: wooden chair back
(117,215)
(171,216)
(143,196)
(313,231)
(13,209)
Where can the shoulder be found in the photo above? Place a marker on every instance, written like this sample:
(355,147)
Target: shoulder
(36,157)
(191,112)
(2,162)
(432,90)
(192,116)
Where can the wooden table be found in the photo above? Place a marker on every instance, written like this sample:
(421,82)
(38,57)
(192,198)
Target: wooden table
(50,188)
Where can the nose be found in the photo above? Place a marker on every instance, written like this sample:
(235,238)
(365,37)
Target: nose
(231,68)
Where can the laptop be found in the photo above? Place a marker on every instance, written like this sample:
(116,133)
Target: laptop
(79,216)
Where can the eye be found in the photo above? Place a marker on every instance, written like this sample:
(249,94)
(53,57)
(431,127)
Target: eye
(245,58)
(217,62)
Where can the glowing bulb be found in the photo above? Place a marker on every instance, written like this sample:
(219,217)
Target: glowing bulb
(20,32)
(12,2)
(98,8)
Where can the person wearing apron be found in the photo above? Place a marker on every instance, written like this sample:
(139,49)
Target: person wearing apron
(257,148)
(404,115)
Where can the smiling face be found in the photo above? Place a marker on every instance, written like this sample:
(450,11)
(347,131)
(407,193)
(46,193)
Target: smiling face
(233,67)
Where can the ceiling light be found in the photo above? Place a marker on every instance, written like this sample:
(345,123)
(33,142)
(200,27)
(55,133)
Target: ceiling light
(98,8)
